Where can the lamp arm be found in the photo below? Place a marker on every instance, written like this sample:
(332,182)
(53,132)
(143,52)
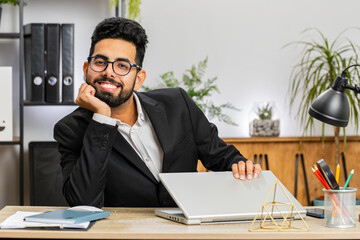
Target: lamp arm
(343,74)
(355,88)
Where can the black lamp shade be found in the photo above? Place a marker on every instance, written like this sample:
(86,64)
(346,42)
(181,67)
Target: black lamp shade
(331,107)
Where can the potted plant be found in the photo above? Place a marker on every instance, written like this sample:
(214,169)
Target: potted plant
(133,8)
(199,90)
(262,123)
(11,2)
(320,62)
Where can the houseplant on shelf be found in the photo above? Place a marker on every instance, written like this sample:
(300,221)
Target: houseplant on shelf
(199,90)
(320,62)
(132,10)
(10,2)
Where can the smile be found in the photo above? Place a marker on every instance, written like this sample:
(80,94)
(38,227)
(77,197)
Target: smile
(108,87)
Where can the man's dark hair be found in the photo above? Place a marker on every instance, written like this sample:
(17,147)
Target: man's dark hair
(121,28)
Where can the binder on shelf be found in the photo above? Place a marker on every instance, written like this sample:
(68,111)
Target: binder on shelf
(67,41)
(34,37)
(6,110)
(52,63)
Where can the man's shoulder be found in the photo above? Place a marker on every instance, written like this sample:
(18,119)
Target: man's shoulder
(163,93)
(79,115)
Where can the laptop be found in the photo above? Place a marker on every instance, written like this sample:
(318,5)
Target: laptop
(213,197)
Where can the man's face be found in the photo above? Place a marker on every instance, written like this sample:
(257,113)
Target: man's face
(110,87)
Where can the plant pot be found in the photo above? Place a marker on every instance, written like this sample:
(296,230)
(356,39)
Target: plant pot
(264,128)
(0,16)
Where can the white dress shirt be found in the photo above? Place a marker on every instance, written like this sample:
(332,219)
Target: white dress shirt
(141,136)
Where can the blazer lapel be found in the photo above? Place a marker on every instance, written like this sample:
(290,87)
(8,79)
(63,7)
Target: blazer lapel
(160,124)
(125,149)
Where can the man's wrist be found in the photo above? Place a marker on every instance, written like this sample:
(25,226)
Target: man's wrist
(104,111)
(104,119)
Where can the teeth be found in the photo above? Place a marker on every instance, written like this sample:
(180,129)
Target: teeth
(106,85)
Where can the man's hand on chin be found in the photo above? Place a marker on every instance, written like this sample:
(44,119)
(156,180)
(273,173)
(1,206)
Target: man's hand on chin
(245,170)
(86,99)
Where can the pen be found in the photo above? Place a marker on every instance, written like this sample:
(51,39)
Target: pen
(320,177)
(348,179)
(322,180)
(326,185)
(337,176)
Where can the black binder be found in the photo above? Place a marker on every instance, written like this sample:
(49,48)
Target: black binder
(34,37)
(52,63)
(67,36)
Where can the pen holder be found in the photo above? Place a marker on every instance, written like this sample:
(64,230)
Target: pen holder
(340,207)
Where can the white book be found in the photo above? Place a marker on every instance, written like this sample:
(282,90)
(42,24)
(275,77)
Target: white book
(17,221)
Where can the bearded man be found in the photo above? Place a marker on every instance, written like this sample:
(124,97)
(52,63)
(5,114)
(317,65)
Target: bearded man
(117,142)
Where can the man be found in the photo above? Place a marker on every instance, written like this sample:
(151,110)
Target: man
(115,144)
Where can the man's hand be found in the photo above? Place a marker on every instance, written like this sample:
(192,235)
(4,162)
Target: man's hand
(243,170)
(86,99)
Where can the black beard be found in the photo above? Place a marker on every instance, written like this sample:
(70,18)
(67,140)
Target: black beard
(108,98)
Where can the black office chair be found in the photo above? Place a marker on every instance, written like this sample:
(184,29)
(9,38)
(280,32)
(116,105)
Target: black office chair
(45,175)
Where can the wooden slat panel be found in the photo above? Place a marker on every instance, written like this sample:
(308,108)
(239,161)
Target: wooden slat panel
(281,153)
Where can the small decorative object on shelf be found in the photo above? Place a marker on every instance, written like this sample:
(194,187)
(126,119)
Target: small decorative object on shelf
(264,120)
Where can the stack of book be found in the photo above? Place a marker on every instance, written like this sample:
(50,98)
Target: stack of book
(79,217)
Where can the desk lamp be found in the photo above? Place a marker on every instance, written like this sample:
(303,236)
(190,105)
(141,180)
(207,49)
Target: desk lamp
(332,106)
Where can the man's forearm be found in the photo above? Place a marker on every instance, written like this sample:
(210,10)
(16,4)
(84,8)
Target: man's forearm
(84,168)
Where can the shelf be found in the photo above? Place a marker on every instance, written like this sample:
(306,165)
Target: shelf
(15,141)
(287,139)
(9,35)
(48,104)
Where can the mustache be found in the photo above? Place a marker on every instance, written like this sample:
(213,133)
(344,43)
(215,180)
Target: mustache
(109,80)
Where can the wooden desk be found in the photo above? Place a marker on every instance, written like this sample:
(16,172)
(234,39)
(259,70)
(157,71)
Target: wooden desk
(141,223)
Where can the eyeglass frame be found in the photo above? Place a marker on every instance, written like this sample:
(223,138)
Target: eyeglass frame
(112,62)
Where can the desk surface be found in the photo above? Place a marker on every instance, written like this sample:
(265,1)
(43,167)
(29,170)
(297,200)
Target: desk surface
(141,223)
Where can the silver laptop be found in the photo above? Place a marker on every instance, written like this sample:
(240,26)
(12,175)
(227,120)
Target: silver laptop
(210,197)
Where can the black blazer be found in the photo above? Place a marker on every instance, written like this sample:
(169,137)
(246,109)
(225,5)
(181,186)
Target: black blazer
(100,168)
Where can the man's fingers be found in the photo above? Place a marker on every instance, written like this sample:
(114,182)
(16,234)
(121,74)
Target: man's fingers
(257,170)
(249,169)
(239,170)
(85,91)
(243,170)
(82,87)
(241,166)
(235,171)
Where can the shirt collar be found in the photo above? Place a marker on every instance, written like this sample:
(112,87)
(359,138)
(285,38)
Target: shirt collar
(141,116)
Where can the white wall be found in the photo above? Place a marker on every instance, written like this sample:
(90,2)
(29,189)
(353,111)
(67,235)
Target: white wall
(243,40)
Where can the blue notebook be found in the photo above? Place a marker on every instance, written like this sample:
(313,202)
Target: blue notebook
(67,216)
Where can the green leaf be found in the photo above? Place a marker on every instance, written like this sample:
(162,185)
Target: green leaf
(199,90)
(11,2)
(320,61)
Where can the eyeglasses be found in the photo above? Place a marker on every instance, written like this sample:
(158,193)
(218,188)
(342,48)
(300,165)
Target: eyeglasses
(120,67)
